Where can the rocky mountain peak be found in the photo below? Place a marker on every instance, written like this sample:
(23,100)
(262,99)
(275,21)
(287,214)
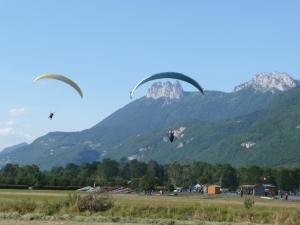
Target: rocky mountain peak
(275,81)
(167,90)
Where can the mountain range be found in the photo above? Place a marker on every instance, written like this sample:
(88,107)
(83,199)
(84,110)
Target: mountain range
(256,124)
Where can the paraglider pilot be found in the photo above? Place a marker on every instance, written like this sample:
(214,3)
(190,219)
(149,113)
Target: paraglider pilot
(51,116)
(171,136)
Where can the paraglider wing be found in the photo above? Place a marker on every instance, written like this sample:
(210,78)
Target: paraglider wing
(60,78)
(169,75)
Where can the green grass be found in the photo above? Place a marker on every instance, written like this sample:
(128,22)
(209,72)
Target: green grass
(35,195)
(212,209)
(35,191)
(181,207)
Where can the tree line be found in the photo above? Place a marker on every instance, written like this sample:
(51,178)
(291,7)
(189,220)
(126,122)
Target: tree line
(145,176)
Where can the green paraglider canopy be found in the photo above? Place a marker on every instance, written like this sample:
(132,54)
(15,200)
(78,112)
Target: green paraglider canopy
(60,78)
(169,75)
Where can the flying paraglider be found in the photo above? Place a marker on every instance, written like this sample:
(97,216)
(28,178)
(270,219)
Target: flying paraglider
(51,116)
(170,75)
(60,78)
(171,136)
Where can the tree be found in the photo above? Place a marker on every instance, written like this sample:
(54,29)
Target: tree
(134,169)
(108,169)
(251,175)
(87,173)
(154,170)
(9,173)
(284,180)
(147,183)
(228,178)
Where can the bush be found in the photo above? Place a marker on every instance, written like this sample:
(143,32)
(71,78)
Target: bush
(248,202)
(94,202)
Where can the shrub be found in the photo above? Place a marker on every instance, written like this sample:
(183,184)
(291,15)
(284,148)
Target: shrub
(248,202)
(94,202)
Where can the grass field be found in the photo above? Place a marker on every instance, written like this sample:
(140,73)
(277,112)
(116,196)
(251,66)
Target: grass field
(61,222)
(141,209)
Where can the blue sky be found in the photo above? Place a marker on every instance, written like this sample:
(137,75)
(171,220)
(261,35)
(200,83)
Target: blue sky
(108,46)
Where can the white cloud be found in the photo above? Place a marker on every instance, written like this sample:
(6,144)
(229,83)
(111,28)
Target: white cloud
(16,111)
(6,131)
(10,123)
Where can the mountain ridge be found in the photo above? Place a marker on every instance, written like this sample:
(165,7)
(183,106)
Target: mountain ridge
(274,81)
(13,147)
(148,117)
(166,89)
(273,131)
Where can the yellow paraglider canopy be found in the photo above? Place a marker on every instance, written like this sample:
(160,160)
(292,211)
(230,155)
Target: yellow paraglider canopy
(60,78)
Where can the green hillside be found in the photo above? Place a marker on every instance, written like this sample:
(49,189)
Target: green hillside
(146,120)
(275,130)
(276,133)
